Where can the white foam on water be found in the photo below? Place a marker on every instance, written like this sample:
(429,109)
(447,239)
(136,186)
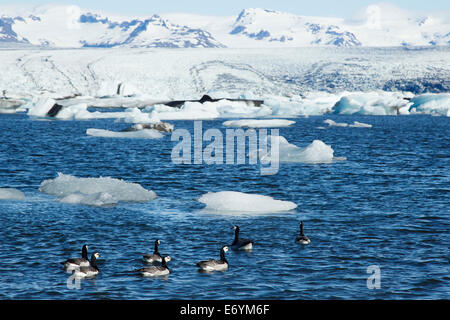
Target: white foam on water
(11,194)
(231,201)
(139,134)
(64,185)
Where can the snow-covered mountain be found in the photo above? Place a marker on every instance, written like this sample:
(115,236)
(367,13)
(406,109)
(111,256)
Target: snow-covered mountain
(69,26)
(381,25)
(280,27)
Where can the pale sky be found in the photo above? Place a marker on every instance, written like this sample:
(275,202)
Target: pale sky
(328,8)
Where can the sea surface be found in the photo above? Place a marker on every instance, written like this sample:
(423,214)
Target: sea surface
(387,206)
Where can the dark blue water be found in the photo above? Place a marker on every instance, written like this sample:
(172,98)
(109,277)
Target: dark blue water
(387,205)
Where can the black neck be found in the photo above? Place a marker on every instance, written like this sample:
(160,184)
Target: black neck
(164,263)
(84,253)
(222,256)
(301,229)
(236,235)
(156,248)
(94,262)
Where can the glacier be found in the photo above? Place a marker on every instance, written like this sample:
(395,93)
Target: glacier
(292,82)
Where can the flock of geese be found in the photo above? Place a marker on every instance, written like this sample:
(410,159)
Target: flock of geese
(85,268)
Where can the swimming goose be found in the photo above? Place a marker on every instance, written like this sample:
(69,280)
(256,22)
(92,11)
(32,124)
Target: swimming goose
(215,265)
(240,244)
(155,256)
(301,238)
(153,271)
(90,271)
(76,263)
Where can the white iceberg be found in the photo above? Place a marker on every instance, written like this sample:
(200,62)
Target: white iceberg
(209,110)
(315,153)
(231,201)
(332,123)
(11,194)
(40,106)
(81,112)
(438,104)
(271,123)
(357,124)
(372,103)
(118,190)
(139,134)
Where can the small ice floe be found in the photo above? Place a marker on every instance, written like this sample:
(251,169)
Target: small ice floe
(332,123)
(271,123)
(159,126)
(231,201)
(95,191)
(140,134)
(357,124)
(11,194)
(315,153)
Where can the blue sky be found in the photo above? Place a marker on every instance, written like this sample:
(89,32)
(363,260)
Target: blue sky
(342,8)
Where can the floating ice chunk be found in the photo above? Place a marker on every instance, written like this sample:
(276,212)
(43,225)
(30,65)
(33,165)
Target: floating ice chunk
(135,115)
(40,106)
(431,104)
(230,201)
(374,103)
(209,110)
(11,194)
(316,152)
(6,111)
(332,123)
(96,199)
(81,112)
(64,185)
(160,126)
(314,103)
(346,105)
(139,134)
(357,124)
(76,111)
(272,123)
(10,105)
